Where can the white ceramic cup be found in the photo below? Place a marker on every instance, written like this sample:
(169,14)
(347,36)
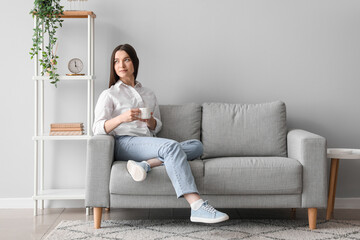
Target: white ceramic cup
(145,113)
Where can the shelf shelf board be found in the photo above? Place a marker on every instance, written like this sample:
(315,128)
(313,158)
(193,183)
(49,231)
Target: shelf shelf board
(78,14)
(74,137)
(75,14)
(64,77)
(60,194)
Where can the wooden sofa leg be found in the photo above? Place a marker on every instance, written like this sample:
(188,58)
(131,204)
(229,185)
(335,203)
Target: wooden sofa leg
(312,215)
(97,217)
(293,214)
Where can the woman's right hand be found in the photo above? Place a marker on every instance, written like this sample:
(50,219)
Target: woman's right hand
(131,115)
(128,116)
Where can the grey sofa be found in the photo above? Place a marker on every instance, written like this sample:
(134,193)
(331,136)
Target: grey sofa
(250,160)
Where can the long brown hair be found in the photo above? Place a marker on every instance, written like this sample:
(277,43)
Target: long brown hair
(133,56)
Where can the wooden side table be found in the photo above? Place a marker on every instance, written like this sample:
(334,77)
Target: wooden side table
(336,154)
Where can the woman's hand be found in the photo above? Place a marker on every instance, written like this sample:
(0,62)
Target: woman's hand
(151,122)
(129,116)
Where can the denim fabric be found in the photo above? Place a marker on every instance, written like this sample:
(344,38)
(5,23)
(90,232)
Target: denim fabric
(173,154)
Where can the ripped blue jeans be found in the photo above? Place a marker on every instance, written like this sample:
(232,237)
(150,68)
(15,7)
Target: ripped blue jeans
(173,154)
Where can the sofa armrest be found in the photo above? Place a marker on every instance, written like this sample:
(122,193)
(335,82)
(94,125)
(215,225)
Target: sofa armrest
(310,150)
(100,154)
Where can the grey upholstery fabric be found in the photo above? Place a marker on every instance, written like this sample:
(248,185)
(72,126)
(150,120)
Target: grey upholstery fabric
(252,175)
(218,201)
(233,130)
(100,154)
(157,181)
(310,150)
(180,122)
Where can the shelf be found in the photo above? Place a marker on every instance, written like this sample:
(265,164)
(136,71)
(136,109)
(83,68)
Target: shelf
(78,14)
(39,114)
(75,14)
(64,77)
(75,137)
(60,194)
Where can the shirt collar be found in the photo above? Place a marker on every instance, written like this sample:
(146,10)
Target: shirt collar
(119,83)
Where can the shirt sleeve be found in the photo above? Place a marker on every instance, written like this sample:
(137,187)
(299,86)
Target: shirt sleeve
(157,117)
(103,111)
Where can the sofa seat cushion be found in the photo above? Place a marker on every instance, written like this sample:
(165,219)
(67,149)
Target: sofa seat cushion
(157,181)
(237,130)
(252,175)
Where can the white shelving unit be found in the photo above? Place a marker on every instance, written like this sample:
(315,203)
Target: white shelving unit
(41,194)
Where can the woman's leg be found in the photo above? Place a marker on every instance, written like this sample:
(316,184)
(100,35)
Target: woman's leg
(170,151)
(177,167)
(192,197)
(193,149)
(154,162)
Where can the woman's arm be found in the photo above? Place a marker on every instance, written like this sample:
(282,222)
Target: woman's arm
(103,110)
(104,122)
(157,118)
(154,122)
(127,116)
(151,122)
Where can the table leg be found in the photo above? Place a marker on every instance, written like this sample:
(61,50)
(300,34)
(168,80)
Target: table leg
(332,187)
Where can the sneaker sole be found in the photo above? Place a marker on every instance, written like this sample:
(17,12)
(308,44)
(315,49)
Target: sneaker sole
(207,220)
(136,171)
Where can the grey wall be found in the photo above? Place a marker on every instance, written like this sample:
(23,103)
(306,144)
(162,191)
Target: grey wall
(304,52)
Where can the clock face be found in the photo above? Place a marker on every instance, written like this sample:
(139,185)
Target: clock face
(75,65)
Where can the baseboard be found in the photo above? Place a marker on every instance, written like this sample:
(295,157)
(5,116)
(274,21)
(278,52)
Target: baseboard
(7,203)
(347,203)
(16,203)
(340,203)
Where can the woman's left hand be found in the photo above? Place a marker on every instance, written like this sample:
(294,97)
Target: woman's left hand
(151,122)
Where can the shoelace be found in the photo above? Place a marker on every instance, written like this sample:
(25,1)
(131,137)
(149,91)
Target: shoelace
(208,207)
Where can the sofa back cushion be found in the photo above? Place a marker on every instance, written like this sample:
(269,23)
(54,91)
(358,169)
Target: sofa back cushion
(180,122)
(234,130)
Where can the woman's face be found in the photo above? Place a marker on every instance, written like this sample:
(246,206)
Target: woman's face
(123,65)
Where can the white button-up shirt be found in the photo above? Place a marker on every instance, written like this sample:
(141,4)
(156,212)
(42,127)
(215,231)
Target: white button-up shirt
(120,98)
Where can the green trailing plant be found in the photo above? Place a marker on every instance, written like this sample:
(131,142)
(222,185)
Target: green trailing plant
(48,14)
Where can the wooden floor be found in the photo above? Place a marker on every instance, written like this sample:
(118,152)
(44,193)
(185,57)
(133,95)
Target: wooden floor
(20,224)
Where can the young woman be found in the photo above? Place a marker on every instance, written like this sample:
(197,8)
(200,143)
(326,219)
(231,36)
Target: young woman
(117,112)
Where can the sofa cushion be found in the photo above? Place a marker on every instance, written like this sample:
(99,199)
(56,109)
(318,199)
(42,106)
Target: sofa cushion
(157,181)
(234,130)
(252,175)
(180,122)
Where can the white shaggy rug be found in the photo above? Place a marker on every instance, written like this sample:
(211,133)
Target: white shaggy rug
(185,230)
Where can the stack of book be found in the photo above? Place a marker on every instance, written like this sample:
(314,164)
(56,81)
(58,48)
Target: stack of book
(66,129)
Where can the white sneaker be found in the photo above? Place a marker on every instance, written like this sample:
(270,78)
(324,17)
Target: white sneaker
(137,172)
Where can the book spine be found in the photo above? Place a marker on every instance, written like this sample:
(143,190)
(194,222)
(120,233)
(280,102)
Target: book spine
(66,125)
(67,133)
(66,129)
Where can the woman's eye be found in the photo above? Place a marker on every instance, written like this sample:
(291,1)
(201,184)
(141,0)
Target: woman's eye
(127,60)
